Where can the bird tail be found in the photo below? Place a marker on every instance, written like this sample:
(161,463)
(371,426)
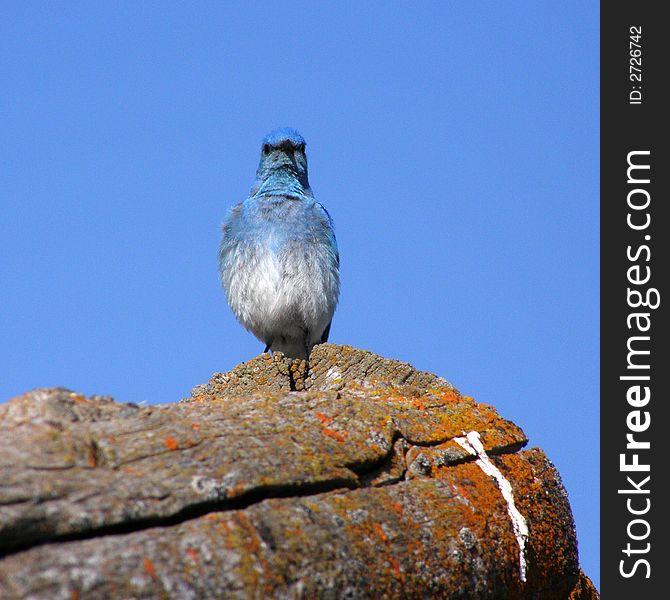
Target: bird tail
(326,333)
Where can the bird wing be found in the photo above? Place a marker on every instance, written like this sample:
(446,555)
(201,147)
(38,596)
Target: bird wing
(332,241)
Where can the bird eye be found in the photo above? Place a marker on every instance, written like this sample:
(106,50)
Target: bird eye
(266,148)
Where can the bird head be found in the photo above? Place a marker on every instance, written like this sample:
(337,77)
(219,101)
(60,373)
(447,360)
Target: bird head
(283,157)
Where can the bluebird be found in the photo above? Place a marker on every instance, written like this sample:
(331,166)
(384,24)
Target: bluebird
(278,260)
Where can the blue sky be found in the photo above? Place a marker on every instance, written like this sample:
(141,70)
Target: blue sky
(454,144)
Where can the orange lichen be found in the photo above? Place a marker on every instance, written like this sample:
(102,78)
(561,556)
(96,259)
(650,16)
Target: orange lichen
(338,435)
(448,395)
(223,526)
(195,425)
(170,443)
(224,529)
(149,567)
(416,547)
(211,517)
(237,490)
(396,568)
(380,532)
(193,554)
(323,418)
(253,543)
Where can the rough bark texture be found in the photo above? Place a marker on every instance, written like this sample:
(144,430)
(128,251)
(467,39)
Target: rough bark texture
(344,481)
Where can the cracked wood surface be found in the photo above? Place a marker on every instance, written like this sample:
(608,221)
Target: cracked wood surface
(351,486)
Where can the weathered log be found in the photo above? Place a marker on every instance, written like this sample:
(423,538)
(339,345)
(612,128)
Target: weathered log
(360,478)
